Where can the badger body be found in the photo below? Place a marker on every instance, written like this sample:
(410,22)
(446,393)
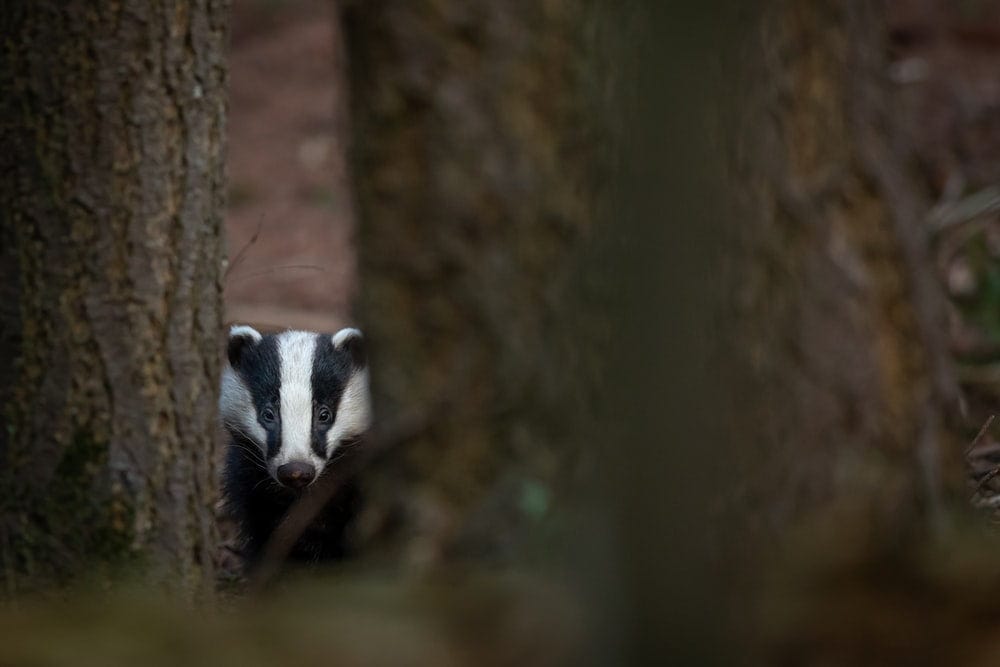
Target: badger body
(289,402)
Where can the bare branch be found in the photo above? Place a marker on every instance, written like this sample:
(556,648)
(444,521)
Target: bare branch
(241,255)
(979,436)
(986,479)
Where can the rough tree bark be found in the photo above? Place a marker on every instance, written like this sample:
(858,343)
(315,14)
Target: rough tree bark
(842,336)
(113,121)
(471,158)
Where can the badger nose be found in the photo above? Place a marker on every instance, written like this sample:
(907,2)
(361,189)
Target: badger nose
(296,474)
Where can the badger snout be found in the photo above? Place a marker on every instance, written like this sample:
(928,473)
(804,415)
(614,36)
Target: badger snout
(296,474)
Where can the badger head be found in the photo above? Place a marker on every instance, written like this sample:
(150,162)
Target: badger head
(295,396)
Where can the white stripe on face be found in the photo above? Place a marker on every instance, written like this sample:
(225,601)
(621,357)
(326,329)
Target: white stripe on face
(237,409)
(353,412)
(295,351)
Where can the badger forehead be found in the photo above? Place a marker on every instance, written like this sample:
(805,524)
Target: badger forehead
(297,352)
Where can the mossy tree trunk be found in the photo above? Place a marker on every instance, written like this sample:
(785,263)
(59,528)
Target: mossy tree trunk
(843,330)
(473,166)
(113,122)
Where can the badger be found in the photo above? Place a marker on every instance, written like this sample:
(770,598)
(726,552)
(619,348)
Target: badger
(289,402)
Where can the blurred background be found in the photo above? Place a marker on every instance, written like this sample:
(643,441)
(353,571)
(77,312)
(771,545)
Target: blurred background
(930,69)
(287,164)
(684,321)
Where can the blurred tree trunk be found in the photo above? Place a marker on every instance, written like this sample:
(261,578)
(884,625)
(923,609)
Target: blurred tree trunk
(842,320)
(546,310)
(472,161)
(113,119)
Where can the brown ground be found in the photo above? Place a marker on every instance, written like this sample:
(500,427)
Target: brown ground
(287,171)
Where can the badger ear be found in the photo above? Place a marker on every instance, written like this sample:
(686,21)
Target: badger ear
(353,342)
(241,339)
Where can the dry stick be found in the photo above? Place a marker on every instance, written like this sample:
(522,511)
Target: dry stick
(985,480)
(980,435)
(968,450)
(979,204)
(241,255)
(305,510)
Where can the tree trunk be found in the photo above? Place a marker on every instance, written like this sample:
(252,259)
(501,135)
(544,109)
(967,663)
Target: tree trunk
(472,160)
(842,321)
(112,190)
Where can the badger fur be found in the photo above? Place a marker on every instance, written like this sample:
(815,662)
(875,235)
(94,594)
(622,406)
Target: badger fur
(289,402)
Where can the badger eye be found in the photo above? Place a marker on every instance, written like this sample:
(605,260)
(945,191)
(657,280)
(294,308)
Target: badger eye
(324,416)
(267,415)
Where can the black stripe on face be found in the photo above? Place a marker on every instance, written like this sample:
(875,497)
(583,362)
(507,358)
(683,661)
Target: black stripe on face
(260,368)
(330,373)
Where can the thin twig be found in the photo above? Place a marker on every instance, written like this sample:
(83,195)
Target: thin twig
(985,480)
(979,436)
(977,205)
(243,251)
